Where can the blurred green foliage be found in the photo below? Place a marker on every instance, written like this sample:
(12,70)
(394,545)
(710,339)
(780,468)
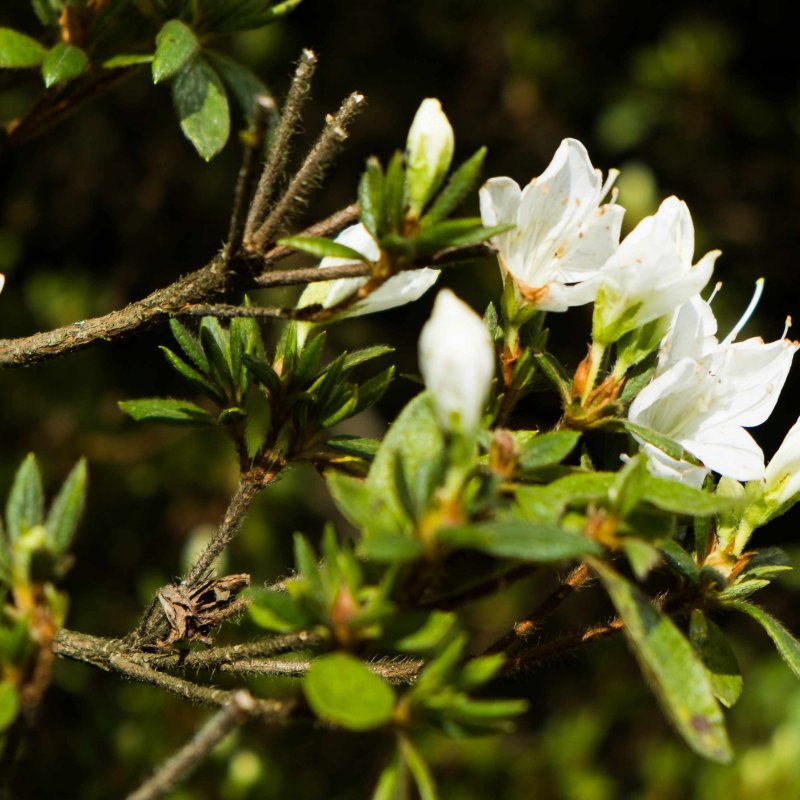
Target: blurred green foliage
(685,97)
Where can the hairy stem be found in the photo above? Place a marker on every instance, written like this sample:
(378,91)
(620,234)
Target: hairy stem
(194,752)
(279,151)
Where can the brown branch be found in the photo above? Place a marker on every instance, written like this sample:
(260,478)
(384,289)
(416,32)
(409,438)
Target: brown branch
(577,579)
(194,752)
(245,182)
(310,173)
(279,150)
(562,646)
(479,590)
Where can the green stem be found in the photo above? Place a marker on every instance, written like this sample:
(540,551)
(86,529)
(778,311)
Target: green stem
(597,353)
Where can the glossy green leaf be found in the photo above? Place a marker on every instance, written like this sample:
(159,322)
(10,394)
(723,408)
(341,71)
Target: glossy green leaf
(215,342)
(715,652)
(176,44)
(322,248)
(354,446)
(373,389)
(785,643)
(195,378)
(202,106)
(63,63)
(245,86)
(456,189)
(419,770)
(370,199)
(264,374)
(390,548)
(190,346)
(342,691)
(642,556)
(19,50)
(9,705)
(356,357)
(67,508)
(682,499)
(456,233)
(679,560)
(278,612)
(167,410)
(416,435)
(548,448)
(127,60)
(522,540)
(227,16)
(671,667)
(666,445)
(25,504)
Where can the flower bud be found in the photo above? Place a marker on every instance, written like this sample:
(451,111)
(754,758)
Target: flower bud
(429,152)
(457,360)
(782,476)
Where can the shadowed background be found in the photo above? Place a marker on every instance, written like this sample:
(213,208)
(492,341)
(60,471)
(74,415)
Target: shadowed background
(113,203)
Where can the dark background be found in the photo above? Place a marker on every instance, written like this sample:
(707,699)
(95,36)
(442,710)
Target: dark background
(697,99)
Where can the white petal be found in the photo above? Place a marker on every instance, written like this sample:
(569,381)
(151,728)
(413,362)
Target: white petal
(582,253)
(691,334)
(783,471)
(360,239)
(457,361)
(661,465)
(730,451)
(405,287)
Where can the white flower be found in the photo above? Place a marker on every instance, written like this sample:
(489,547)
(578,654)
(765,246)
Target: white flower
(782,478)
(429,153)
(457,360)
(405,287)
(562,235)
(650,274)
(2,281)
(706,393)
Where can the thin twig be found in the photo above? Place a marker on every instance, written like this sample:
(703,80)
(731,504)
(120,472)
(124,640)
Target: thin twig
(310,173)
(195,751)
(279,151)
(245,182)
(478,590)
(250,484)
(561,646)
(577,579)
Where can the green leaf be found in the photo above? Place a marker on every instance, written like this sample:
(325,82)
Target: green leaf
(9,705)
(628,488)
(682,499)
(456,189)
(243,83)
(785,643)
(342,691)
(278,612)
(48,11)
(390,548)
(356,357)
(522,540)
(264,374)
(370,199)
(19,50)
(354,446)
(715,652)
(190,346)
(305,560)
(5,559)
(192,376)
(456,233)
(66,510)
(167,410)
(25,505)
(63,63)
(215,342)
(680,561)
(416,435)
(642,556)
(202,106)
(127,60)
(322,247)
(228,16)
(666,445)
(548,448)
(391,784)
(636,345)
(419,769)
(394,192)
(668,662)
(176,44)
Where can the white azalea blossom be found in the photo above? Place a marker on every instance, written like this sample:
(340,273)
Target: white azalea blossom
(2,281)
(457,361)
(405,287)
(706,393)
(650,274)
(429,153)
(782,478)
(562,235)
